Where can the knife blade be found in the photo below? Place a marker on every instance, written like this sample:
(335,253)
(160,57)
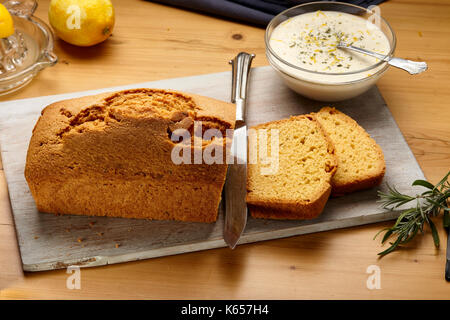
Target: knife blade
(236,181)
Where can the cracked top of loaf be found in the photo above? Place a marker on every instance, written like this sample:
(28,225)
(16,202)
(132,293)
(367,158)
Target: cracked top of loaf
(120,133)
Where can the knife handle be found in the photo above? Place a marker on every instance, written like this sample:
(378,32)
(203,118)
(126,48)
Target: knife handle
(241,69)
(447,270)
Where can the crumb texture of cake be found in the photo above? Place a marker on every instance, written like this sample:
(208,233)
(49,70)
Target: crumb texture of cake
(360,158)
(301,186)
(111,155)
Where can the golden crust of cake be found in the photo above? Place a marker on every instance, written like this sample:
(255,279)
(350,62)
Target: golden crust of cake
(301,186)
(110,155)
(361,160)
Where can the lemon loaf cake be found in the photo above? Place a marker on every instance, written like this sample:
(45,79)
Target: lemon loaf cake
(301,186)
(361,160)
(111,155)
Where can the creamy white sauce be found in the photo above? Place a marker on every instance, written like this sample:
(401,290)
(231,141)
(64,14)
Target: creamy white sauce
(310,40)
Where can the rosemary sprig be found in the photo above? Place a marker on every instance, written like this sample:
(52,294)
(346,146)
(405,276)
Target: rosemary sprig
(427,204)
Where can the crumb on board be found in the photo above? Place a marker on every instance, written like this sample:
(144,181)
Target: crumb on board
(100,234)
(80,240)
(420,34)
(91,223)
(36,237)
(117,245)
(67,230)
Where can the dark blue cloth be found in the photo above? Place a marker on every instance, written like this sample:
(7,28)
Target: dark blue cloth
(256,12)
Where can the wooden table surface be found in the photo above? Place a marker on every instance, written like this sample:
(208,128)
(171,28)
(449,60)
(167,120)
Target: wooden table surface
(151,42)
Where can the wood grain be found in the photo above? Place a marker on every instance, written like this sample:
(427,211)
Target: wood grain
(327,265)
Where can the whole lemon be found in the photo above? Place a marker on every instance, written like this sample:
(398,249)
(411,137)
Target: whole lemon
(82,22)
(6,22)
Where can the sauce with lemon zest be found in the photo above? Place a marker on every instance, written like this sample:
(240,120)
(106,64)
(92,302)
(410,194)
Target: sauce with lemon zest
(310,41)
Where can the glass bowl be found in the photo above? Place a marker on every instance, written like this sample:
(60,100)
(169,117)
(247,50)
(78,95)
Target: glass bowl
(38,40)
(323,86)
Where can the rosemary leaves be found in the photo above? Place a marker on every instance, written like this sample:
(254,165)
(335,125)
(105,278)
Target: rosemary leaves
(430,203)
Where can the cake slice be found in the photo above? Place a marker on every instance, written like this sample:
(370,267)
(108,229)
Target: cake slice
(361,160)
(301,185)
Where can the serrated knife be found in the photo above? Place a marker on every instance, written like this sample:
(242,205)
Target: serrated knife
(236,182)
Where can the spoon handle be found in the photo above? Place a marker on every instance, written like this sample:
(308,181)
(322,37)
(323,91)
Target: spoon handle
(364,51)
(413,67)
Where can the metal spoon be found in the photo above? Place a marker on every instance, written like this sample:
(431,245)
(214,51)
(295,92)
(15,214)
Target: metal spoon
(413,67)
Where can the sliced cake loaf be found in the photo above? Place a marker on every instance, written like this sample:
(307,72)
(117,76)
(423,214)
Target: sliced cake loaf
(361,160)
(301,186)
(112,155)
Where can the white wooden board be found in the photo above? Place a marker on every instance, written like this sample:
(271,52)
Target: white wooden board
(49,242)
